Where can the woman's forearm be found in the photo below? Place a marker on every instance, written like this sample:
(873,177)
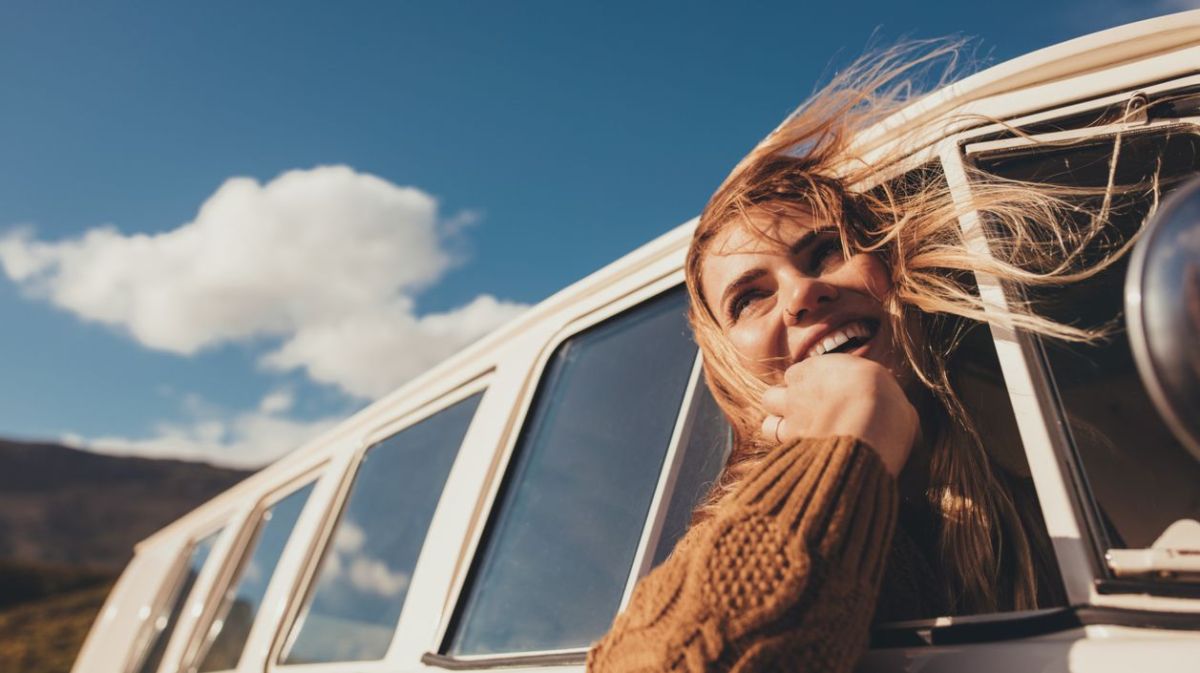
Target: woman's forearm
(783,577)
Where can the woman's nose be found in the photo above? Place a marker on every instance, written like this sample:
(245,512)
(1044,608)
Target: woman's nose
(806,297)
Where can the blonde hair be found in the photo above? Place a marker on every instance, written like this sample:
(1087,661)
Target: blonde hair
(807,166)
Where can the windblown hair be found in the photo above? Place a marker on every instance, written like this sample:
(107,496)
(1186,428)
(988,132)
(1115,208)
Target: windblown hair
(809,166)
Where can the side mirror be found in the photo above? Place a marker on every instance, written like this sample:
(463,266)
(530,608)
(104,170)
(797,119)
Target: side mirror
(1162,312)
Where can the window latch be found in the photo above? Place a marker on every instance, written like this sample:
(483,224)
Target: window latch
(1174,555)
(1137,109)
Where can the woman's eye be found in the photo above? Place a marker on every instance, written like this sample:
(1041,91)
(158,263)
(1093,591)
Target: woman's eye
(742,301)
(825,254)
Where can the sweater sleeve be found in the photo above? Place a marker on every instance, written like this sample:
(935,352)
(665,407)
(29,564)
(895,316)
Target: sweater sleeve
(783,577)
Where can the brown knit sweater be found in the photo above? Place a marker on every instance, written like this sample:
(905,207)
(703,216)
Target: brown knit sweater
(783,577)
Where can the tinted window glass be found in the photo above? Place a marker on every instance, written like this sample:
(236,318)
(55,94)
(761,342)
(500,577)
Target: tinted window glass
(705,447)
(363,578)
(231,626)
(557,553)
(1141,478)
(165,621)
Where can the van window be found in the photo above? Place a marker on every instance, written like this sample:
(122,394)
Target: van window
(353,608)
(164,622)
(1142,480)
(230,626)
(705,448)
(558,550)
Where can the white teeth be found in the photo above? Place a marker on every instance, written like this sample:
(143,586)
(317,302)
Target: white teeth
(839,337)
(834,341)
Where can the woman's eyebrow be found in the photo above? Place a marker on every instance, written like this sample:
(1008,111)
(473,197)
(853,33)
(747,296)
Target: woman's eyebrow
(800,245)
(807,239)
(741,281)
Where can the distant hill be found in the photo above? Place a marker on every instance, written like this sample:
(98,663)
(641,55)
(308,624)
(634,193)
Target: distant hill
(64,506)
(68,523)
(32,582)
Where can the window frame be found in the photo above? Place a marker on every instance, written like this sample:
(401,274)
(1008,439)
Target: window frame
(238,555)
(1032,399)
(343,477)
(982,628)
(1091,599)
(1103,580)
(225,524)
(162,596)
(601,310)
(1027,386)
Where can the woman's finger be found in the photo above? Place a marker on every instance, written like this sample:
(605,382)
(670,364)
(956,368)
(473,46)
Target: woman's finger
(772,427)
(775,400)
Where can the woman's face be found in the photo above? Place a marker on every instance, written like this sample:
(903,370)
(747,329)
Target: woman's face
(780,306)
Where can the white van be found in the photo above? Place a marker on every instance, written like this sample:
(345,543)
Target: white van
(497,511)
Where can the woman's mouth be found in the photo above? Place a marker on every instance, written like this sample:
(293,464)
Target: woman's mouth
(850,337)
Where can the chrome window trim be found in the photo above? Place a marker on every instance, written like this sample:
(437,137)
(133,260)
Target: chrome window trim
(541,660)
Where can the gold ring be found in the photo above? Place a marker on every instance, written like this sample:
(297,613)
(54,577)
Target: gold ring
(778,422)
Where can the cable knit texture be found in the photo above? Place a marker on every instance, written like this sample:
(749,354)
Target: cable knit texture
(783,577)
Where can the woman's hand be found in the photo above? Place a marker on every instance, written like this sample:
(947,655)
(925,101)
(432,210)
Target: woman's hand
(839,394)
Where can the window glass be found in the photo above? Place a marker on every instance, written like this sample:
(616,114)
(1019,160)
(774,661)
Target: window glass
(559,548)
(231,625)
(705,449)
(1141,478)
(165,621)
(362,581)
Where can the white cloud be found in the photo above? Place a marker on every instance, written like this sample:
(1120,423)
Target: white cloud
(350,563)
(239,439)
(325,260)
(374,576)
(350,537)
(369,353)
(277,402)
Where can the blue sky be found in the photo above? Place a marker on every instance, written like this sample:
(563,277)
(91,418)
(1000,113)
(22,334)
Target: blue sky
(216,216)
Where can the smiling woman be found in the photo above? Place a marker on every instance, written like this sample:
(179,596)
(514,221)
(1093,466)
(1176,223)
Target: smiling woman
(857,484)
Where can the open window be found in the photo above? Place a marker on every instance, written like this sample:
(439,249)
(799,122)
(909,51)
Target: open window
(978,380)
(1135,479)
